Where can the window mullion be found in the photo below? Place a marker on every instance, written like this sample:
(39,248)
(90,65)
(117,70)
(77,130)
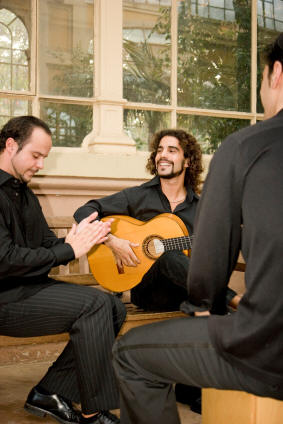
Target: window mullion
(254,60)
(33,48)
(174,61)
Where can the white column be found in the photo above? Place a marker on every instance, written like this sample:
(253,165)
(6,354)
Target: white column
(108,135)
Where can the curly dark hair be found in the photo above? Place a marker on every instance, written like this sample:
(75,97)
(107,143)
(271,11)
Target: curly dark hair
(191,150)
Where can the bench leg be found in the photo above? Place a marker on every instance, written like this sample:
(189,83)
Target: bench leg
(235,407)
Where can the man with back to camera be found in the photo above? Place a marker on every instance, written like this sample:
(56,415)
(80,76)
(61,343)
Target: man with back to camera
(32,304)
(241,208)
(175,161)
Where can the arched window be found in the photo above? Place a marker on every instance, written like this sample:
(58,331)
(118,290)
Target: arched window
(14,56)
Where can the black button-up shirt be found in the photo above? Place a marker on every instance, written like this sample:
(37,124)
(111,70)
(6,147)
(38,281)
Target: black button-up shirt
(28,248)
(142,202)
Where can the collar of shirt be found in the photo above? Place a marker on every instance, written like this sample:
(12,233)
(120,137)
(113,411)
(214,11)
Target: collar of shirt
(4,177)
(156,182)
(12,184)
(280,113)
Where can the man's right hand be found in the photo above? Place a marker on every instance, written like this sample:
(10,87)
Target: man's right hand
(84,236)
(122,251)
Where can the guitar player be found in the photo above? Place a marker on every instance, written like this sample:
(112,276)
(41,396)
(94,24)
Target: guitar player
(175,162)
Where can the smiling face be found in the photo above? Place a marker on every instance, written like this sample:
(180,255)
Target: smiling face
(26,162)
(170,161)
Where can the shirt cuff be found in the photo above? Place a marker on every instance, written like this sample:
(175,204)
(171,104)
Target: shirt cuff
(229,295)
(190,309)
(64,253)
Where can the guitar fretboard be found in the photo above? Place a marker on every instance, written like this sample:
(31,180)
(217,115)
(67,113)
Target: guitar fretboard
(178,243)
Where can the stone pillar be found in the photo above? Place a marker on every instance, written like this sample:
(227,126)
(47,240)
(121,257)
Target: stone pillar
(107,135)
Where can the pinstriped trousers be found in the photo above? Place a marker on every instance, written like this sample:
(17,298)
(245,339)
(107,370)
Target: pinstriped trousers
(83,372)
(150,358)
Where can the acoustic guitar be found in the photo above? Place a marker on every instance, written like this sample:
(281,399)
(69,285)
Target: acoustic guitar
(162,233)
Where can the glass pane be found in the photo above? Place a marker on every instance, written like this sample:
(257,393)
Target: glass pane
(66,48)
(21,107)
(146,52)
(217,3)
(5,55)
(5,35)
(20,78)
(269,15)
(13,107)
(20,57)
(69,123)
(19,34)
(214,54)
(140,125)
(210,131)
(4,107)
(6,16)
(5,77)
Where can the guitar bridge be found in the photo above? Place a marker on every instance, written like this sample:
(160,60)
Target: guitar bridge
(120,269)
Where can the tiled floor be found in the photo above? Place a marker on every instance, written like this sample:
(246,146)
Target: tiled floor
(17,380)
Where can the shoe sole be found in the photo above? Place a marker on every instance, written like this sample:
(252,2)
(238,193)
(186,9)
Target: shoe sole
(42,413)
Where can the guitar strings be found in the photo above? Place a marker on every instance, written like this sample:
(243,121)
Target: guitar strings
(176,243)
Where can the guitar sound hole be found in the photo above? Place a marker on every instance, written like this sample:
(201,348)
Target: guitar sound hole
(152,246)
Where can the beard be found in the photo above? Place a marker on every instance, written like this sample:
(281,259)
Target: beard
(173,173)
(22,175)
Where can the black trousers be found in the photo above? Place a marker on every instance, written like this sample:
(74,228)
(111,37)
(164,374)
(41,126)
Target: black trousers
(164,286)
(149,359)
(83,372)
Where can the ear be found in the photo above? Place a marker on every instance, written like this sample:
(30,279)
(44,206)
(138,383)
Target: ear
(11,145)
(276,74)
(187,163)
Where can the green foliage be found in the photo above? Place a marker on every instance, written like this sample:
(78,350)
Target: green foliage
(71,123)
(147,67)
(145,78)
(213,68)
(142,124)
(210,131)
(214,60)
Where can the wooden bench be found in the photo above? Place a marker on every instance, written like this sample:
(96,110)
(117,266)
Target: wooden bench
(78,272)
(235,407)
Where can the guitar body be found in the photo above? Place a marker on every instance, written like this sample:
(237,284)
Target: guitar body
(102,262)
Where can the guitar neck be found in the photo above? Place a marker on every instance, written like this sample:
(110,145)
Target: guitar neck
(178,243)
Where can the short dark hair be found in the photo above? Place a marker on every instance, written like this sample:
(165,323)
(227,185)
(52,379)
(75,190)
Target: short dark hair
(274,52)
(20,129)
(191,150)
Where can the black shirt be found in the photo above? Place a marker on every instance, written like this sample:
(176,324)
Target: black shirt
(28,248)
(142,202)
(241,208)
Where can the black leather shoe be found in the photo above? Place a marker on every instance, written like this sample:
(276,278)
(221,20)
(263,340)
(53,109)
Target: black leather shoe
(103,417)
(189,395)
(53,405)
